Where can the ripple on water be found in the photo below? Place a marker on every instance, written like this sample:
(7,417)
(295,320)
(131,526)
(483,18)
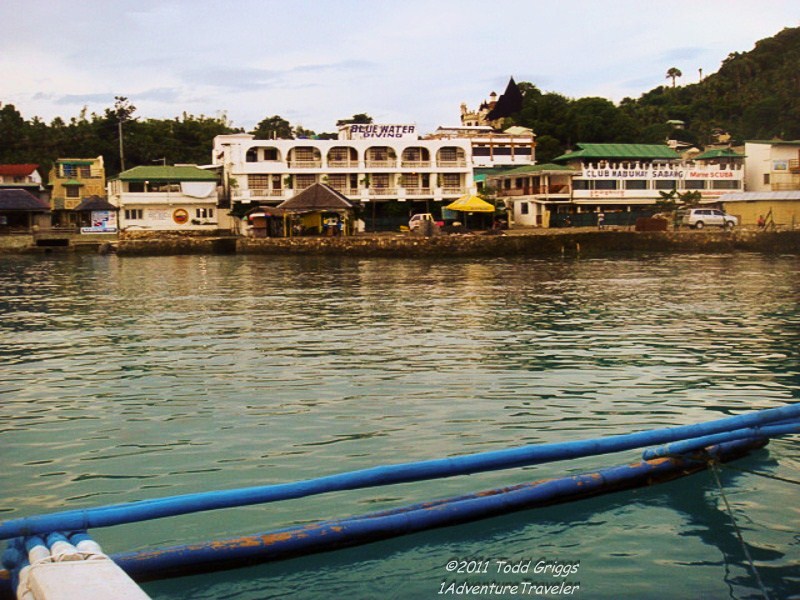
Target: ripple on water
(124,381)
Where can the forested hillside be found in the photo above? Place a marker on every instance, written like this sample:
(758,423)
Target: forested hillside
(754,95)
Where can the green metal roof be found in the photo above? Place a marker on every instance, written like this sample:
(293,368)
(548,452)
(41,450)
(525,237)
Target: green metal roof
(72,182)
(162,173)
(539,169)
(629,151)
(718,153)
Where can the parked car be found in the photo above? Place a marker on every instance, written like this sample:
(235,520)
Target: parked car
(418,219)
(701,217)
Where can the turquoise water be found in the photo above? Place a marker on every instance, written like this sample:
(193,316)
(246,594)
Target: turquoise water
(132,378)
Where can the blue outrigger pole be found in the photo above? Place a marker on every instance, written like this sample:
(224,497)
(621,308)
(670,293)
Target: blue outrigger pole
(737,427)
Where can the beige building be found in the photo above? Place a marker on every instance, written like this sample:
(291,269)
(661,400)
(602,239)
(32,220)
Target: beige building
(772,185)
(73,180)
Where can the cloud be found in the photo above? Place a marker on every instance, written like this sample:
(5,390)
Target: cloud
(85,98)
(252,79)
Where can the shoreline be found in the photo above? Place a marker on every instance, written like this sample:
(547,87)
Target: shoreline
(585,242)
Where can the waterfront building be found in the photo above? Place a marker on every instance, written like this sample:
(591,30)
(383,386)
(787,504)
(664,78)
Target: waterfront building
(168,198)
(772,166)
(514,147)
(386,171)
(72,181)
(21,177)
(621,181)
(772,185)
(22,212)
(531,193)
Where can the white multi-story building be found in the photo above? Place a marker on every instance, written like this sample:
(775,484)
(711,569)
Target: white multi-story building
(772,166)
(164,198)
(618,180)
(385,169)
(514,147)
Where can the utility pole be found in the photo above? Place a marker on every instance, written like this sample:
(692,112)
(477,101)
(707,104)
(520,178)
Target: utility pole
(123,111)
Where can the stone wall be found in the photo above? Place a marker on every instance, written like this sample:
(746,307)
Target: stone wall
(585,243)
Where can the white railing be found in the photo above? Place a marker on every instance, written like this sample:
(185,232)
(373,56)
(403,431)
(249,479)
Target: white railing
(305,164)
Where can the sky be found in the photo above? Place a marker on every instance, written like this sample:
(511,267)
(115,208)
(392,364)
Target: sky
(315,62)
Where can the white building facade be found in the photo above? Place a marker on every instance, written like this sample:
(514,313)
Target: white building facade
(164,198)
(386,170)
(772,166)
(621,181)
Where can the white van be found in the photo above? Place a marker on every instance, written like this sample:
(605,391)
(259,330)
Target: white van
(700,217)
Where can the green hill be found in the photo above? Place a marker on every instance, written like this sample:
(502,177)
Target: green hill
(754,95)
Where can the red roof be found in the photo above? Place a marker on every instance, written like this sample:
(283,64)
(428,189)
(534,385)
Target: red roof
(17,170)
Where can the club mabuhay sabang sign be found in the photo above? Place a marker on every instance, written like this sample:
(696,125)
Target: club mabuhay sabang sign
(677,172)
(371,131)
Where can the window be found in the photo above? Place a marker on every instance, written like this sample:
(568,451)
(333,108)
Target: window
(580,184)
(766,178)
(605,184)
(524,208)
(695,184)
(258,182)
(636,184)
(68,170)
(270,154)
(134,214)
(85,171)
(136,187)
(73,191)
(666,184)
(204,213)
(304,181)
(725,184)
(481,151)
(451,180)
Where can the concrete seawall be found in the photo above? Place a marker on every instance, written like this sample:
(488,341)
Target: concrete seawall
(585,243)
(558,242)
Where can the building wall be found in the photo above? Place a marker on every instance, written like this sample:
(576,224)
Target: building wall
(768,166)
(784,212)
(91,174)
(447,179)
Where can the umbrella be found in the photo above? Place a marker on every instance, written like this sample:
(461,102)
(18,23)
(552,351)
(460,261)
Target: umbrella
(471,204)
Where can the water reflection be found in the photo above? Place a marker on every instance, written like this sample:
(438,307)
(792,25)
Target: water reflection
(132,378)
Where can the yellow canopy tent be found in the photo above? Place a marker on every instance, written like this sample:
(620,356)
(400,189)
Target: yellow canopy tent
(469,203)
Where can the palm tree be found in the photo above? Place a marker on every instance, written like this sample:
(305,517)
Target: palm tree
(674,73)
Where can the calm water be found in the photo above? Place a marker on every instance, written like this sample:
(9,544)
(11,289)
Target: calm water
(131,378)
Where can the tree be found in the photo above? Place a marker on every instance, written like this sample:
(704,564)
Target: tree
(122,111)
(673,73)
(358,119)
(273,128)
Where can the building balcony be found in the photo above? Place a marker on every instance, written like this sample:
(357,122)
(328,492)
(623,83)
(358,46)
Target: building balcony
(136,198)
(453,191)
(449,164)
(418,191)
(543,190)
(305,164)
(383,191)
(415,164)
(343,164)
(264,193)
(381,164)
(345,190)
